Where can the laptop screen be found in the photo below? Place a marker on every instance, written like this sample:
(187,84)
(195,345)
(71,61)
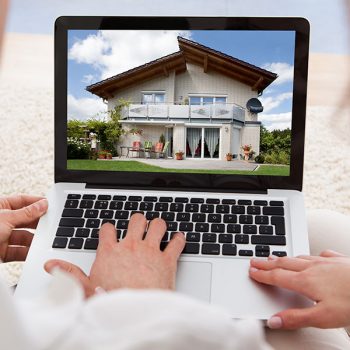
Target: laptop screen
(194,101)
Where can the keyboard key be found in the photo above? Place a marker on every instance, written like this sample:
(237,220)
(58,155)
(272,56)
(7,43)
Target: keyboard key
(238,209)
(95,232)
(131,205)
(209,237)
(122,214)
(72,222)
(122,224)
(262,220)
(212,201)
(214,218)
(65,232)
(135,199)
(101,205)
(93,223)
(73,213)
(198,217)
(165,199)
(161,207)
(276,203)
(74,196)
(197,200)
(192,208)
(246,219)
(250,229)
(150,215)
(181,200)
(191,248)
(241,239)
(183,217)
(245,252)
(193,237)
(228,201)
(262,251)
(146,206)
(217,227)
(176,207)
(104,197)
(222,209)
(234,228)
(269,240)
(167,216)
(279,253)
(210,249)
(91,243)
(150,199)
(163,245)
(230,219)
(119,198)
(75,243)
(207,208)
(172,226)
(253,210)
(185,226)
(106,214)
(229,249)
(165,237)
(89,196)
(278,221)
(91,213)
(266,230)
(82,232)
(71,203)
(273,210)
(110,221)
(201,227)
(244,202)
(115,205)
(225,238)
(261,203)
(86,204)
(60,242)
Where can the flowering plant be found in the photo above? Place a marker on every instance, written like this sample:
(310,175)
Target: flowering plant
(247,148)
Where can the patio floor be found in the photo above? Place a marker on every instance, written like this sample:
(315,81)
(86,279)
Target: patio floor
(196,163)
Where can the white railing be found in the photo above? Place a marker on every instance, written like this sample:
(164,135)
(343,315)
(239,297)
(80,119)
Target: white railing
(172,111)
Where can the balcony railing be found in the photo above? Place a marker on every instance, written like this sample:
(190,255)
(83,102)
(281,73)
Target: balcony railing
(211,112)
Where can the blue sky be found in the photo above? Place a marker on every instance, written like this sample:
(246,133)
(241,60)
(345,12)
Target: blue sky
(97,55)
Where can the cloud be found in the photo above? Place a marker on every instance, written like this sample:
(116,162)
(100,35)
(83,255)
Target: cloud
(88,78)
(84,108)
(111,52)
(284,71)
(272,102)
(279,121)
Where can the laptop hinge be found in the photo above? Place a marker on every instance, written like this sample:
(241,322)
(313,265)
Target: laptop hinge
(183,189)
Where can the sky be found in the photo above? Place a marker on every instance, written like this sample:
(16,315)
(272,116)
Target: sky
(97,55)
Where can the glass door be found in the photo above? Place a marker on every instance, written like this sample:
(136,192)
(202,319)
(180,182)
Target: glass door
(194,143)
(211,142)
(169,138)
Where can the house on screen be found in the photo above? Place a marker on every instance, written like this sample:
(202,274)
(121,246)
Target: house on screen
(196,97)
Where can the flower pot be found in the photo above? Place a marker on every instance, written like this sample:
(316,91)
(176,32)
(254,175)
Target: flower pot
(109,156)
(179,157)
(246,155)
(228,158)
(101,156)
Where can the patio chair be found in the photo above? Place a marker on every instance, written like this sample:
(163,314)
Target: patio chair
(161,150)
(136,147)
(147,148)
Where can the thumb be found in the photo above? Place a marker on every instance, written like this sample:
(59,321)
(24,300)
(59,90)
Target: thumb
(331,253)
(75,271)
(296,318)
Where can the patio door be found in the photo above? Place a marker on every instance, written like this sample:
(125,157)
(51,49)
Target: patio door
(169,138)
(203,143)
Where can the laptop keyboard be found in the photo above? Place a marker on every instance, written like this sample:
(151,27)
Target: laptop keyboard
(212,226)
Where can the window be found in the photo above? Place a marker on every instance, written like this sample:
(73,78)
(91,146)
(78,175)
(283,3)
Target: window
(207,100)
(153,97)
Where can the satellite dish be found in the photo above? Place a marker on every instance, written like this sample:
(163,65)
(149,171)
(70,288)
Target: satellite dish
(254,106)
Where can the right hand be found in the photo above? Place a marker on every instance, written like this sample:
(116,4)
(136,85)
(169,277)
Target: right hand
(133,262)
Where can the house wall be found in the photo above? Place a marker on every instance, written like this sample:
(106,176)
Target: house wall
(225,140)
(251,136)
(179,138)
(236,140)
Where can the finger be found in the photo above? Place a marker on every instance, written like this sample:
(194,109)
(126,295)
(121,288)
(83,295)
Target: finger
(26,216)
(16,253)
(155,232)
(107,236)
(297,318)
(137,227)
(21,237)
(310,257)
(74,271)
(331,254)
(175,246)
(292,264)
(20,200)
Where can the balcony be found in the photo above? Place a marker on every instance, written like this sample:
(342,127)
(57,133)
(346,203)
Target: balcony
(213,112)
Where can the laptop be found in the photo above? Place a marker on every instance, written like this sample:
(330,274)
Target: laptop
(199,121)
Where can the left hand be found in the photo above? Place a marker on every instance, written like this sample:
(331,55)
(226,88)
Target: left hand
(18,212)
(325,279)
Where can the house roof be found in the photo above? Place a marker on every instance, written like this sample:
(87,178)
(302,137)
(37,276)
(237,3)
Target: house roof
(191,52)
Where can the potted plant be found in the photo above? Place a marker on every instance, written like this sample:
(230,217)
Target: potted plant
(229,157)
(246,150)
(108,155)
(102,154)
(179,155)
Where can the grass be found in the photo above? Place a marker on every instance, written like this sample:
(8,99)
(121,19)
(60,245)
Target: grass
(132,165)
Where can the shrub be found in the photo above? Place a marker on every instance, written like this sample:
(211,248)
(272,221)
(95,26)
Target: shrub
(77,149)
(281,157)
(260,158)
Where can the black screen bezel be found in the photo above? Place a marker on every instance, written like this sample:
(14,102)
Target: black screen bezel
(175,181)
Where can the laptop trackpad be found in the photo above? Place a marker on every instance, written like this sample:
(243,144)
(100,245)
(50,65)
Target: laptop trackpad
(194,279)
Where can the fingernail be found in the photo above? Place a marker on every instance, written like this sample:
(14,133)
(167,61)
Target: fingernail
(253,269)
(100,290)
(274,322)
(41,205)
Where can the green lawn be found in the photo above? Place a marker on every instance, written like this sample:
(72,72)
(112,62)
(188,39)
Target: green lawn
(132,165)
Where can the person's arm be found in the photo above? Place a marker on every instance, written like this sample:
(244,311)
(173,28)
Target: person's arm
(324,279)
